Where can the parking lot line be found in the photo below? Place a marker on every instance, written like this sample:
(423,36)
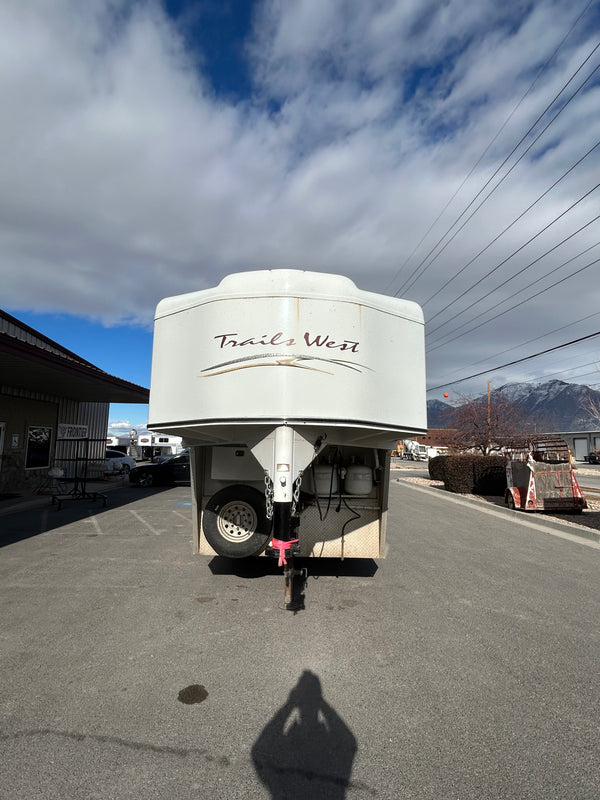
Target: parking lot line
(146,524)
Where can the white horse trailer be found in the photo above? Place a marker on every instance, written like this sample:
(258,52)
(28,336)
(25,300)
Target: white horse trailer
(290,389)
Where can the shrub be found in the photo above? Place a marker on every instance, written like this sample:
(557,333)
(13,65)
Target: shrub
(436,468)
(458,474)
(489,476)
(472,474)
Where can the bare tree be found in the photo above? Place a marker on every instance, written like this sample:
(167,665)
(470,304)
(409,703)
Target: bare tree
(590,405)
(485,423)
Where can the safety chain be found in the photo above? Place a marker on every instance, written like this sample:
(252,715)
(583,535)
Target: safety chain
(296,493)
(269,493)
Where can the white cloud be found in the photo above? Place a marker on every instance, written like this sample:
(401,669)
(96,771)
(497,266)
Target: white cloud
(126,176)
(121,427)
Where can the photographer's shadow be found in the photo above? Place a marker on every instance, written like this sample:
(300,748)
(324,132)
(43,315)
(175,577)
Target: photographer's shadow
(306,750)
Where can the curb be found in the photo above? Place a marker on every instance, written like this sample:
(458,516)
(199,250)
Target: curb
(524,517)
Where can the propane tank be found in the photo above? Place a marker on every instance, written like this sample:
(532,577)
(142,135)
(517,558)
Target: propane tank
(326,479)
(358,480)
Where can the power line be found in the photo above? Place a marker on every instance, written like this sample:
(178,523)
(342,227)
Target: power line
(517,305)
(470,217)
(507,173)
(517,361)
(407,284)
(508,227)
(570,369)
(517,274)
(535,339)
(541,70)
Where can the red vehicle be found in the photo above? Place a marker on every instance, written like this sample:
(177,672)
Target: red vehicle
(540,477)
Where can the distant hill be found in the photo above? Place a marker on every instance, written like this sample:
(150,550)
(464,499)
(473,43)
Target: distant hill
(551,406)
(437,414)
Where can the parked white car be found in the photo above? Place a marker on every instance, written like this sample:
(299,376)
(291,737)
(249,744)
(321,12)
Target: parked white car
(118,463)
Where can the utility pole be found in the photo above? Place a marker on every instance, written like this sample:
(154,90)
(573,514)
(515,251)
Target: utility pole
(489,419)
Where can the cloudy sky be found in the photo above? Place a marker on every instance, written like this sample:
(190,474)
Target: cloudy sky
(447,152)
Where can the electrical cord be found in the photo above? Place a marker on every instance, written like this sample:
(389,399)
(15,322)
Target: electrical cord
(334,464)
(352,511)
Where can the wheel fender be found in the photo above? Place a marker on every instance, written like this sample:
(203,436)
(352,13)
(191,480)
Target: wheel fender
(513,493)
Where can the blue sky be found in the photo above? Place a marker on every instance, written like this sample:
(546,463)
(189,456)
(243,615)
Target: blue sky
(216,32)
(150,149)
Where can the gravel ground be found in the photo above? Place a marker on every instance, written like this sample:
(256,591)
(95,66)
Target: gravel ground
(590,517)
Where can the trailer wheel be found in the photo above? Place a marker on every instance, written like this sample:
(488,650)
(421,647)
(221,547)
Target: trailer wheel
(235,522)
(510,501)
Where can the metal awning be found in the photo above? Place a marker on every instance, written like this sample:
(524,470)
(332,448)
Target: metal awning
(27,366)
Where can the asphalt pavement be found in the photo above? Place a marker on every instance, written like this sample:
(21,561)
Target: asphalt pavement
(464,665)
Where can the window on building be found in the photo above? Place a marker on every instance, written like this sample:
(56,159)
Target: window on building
(38,447)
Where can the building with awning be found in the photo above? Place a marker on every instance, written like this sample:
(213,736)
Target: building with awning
(49,398)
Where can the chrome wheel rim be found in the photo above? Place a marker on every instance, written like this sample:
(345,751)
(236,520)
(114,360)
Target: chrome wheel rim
(237,521)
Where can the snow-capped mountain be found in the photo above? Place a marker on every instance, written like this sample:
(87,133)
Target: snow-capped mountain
(438,414)
(551,406)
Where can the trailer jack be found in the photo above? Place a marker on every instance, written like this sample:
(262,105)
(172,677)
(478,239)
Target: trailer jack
(293,596)
(285,550)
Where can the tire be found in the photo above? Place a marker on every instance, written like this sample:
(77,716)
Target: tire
(146,479)
(510,501)
(125,469)
(235,522)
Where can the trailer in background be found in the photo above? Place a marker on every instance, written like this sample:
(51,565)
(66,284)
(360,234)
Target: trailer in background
(540,476)
(145,446)
(151,447)
(279,383)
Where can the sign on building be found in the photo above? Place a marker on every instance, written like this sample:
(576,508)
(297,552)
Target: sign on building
(68,431)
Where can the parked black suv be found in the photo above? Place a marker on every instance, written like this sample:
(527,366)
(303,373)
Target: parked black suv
(173,470)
